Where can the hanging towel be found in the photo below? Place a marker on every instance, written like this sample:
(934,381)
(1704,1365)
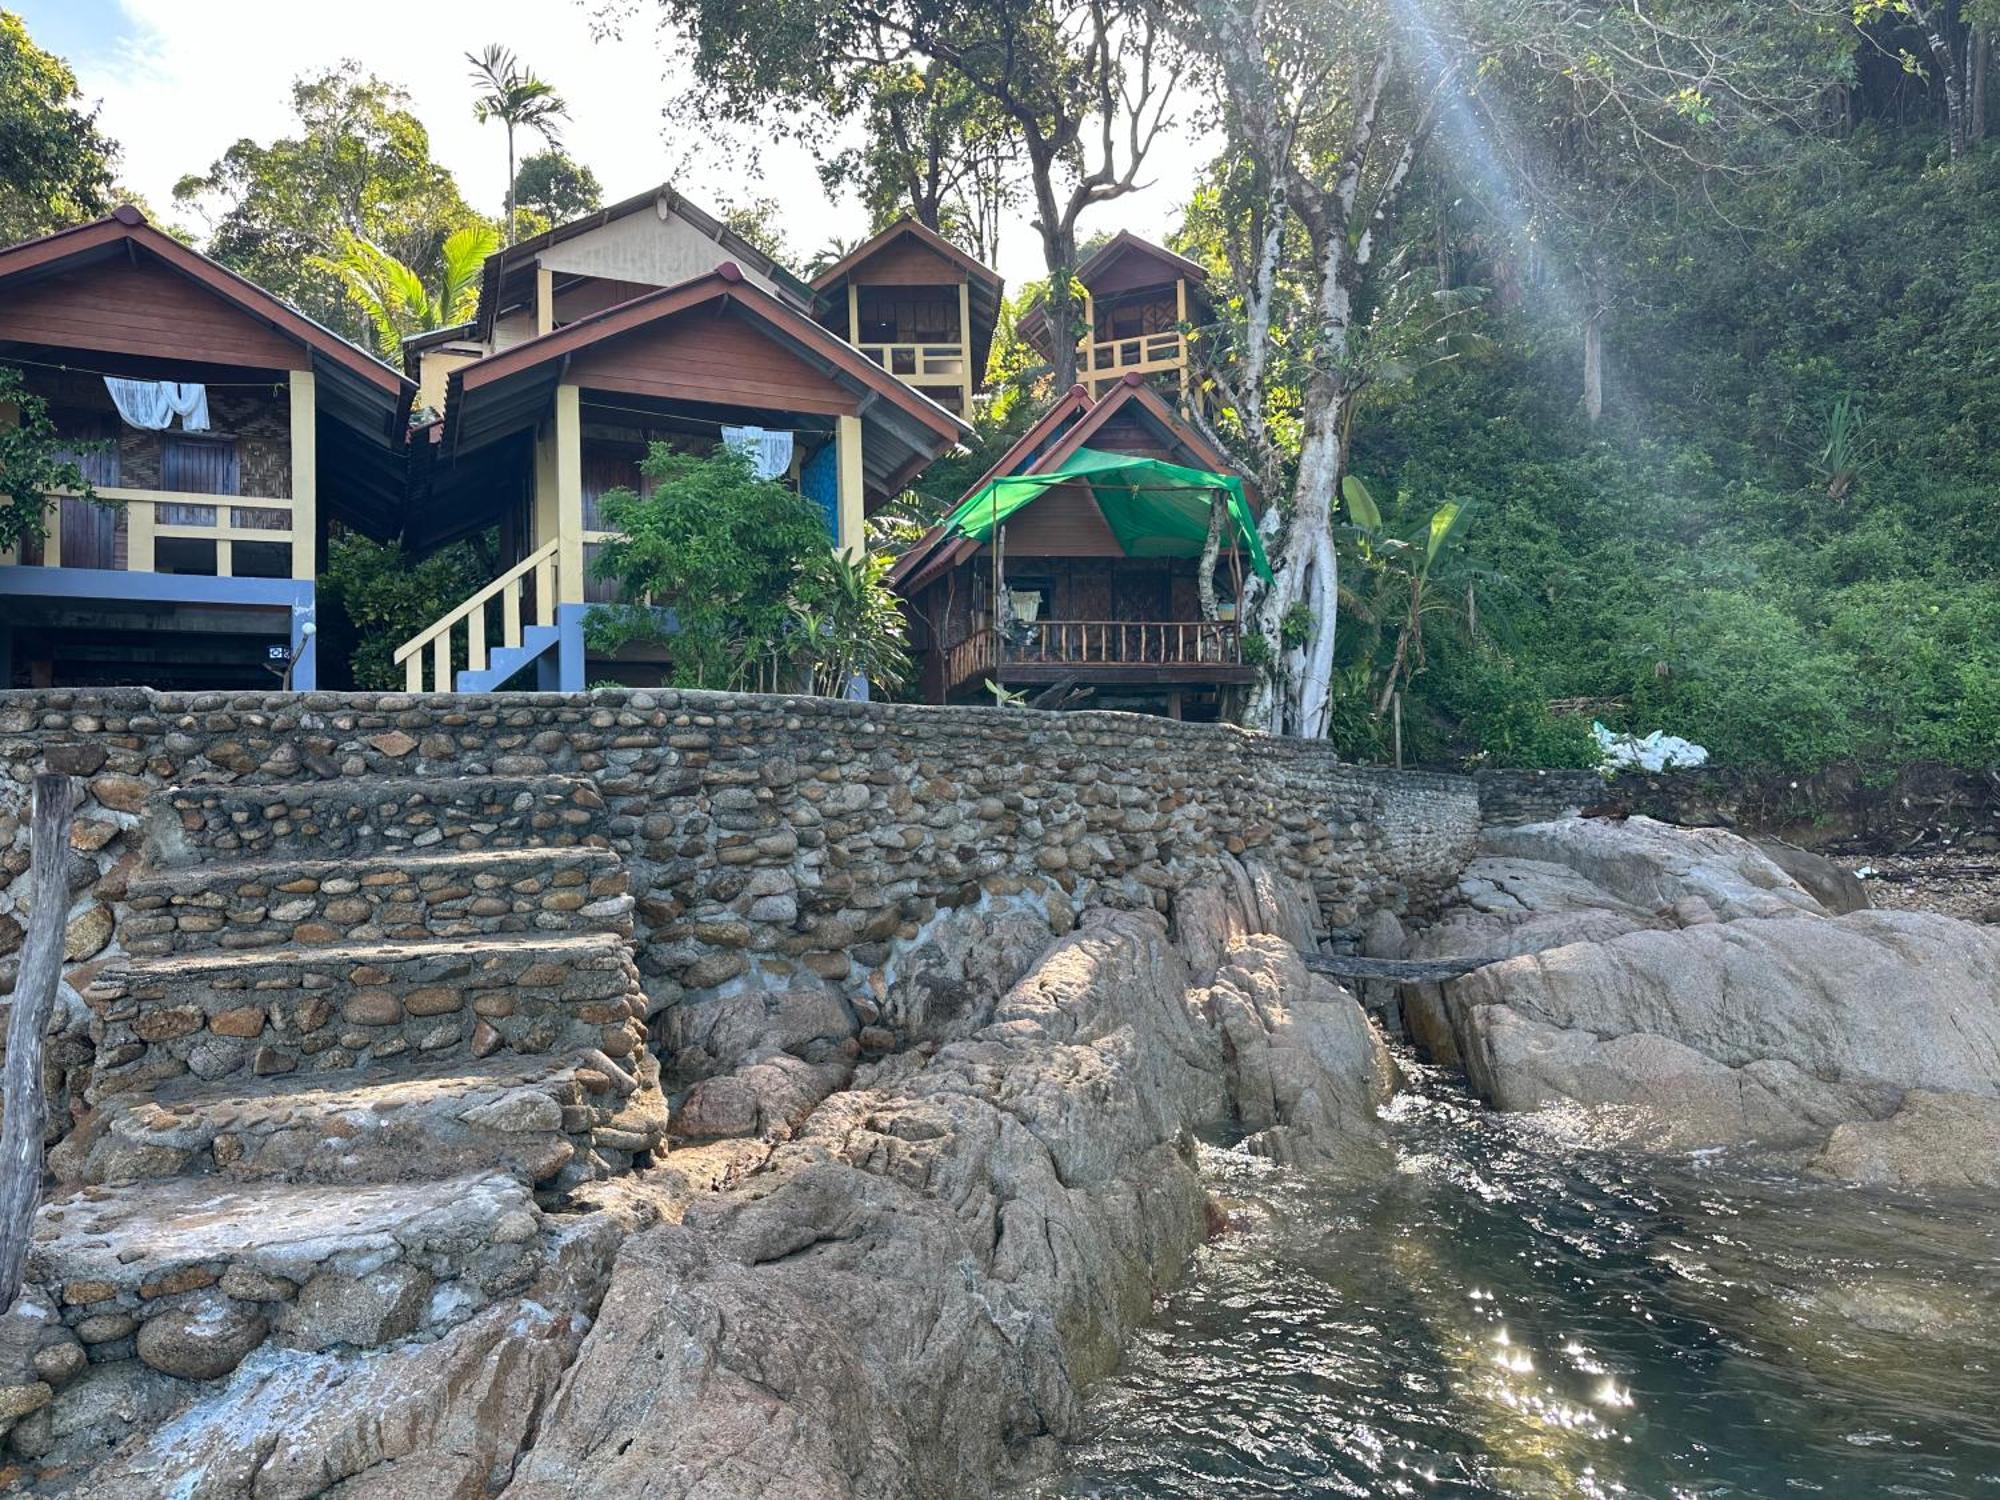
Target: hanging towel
(153,404)
(770,453)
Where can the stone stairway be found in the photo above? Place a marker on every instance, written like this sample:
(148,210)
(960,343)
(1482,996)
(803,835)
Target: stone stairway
(366,1034)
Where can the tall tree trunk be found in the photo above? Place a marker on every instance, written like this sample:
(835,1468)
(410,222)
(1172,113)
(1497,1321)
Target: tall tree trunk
(1211,549)
(508,237)
(1593,363)
(1297,699)
(1979,57)
(1059,253)
(25,1117)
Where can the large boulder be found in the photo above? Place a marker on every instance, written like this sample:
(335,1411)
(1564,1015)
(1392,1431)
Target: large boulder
(1773,1031)
(1692,874)
(1307,1071)
(1839,891)
(905,1298)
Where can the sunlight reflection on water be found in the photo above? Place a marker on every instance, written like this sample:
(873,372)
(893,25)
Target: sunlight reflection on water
(1517,1314)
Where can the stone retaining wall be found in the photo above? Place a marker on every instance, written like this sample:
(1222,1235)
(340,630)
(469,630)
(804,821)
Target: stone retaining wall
(1507,799)
(770,841)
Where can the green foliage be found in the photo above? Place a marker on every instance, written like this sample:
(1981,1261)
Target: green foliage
(395,298)
(1747,563)
(554,189)
(756,219)
(359,164)
(55,165)
(735,575)
(508,91)
(846,622)
(33,461)
(373,596)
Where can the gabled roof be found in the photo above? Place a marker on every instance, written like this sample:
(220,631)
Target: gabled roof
(125,232)
(1033,326)
(929,238)
(726,284)
(663,200)
(1124,244)
(1065,427)
(984,286)
(492,400)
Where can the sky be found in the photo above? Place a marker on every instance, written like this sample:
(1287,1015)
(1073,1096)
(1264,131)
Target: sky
(178,81)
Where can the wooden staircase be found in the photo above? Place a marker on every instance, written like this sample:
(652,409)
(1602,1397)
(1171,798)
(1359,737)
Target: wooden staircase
(490,658)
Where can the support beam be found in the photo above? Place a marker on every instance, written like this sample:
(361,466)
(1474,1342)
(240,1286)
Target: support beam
(965,346)
(1180,330)
(569,494)
(305,481)
(545,301)
(853,314)
(853,530)
(1089,345)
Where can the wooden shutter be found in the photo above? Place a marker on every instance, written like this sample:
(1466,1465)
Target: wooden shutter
(196,466)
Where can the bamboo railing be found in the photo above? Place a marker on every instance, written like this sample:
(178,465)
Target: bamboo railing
(434,641)
(1098,643)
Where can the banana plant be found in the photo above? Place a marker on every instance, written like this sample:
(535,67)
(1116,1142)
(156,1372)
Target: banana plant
(1402,568)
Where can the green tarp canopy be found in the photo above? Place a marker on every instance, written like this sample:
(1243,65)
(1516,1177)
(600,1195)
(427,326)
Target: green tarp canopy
(1154,508)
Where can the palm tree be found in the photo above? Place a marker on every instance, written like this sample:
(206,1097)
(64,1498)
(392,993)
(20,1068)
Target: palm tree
(394,297)
(515,97)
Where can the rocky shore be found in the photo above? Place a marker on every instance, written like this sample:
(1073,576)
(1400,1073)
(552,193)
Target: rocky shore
(899,1289)
(710,1098)
(1688,993)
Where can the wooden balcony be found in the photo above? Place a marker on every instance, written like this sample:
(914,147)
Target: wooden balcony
(1108,360)
(1107,651)
(920,364)
(142,519)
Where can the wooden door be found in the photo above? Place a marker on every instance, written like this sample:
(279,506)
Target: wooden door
(90,530)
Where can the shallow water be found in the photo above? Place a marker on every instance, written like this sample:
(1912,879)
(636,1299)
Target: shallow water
(1516,1314)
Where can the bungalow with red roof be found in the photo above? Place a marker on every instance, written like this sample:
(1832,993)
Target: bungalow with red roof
(222,430)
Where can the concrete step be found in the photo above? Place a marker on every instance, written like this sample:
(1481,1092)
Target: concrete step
(502,662)
(273,1011)
(316,819)
(308,1266)
(542,1120)
(432,893)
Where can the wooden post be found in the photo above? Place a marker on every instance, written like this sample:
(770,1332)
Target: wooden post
(1089,345)
(853,314)
(545,301)
(569,494)
(140,518)
(1180,331)
(25,1115)
(305,479)
(965,345)
(853,524)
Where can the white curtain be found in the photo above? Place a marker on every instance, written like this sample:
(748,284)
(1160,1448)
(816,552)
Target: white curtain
(153,404)
(770,453)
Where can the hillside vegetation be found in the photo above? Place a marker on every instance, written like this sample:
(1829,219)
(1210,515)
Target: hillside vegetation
(1698,557)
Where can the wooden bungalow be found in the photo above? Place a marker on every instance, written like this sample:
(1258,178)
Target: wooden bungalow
(919,307)
(200,569)
(536,433)
(1079,599)
(1140,301)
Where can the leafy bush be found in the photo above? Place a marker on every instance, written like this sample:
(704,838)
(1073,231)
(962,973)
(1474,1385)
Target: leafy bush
(735,575)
